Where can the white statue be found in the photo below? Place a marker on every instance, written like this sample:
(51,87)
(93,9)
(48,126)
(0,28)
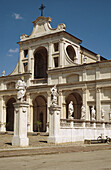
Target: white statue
(21,89)
(70,110)
(102,113)
(93,113)
(83,112)
(54,95)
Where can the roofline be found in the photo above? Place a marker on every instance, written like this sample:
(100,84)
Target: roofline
(93,52)
(60,32)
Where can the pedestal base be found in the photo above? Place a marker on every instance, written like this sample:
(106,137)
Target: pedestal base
(18,141)
(54,139)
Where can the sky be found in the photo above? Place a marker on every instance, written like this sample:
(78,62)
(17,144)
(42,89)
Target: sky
(88,20)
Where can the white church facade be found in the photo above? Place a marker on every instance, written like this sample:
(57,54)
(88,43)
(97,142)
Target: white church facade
(51,57)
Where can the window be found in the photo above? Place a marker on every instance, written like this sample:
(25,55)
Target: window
(71,52)
(56,47)
(56,62)
(25,53)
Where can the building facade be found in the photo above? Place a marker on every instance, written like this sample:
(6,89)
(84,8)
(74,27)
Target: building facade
(51,57)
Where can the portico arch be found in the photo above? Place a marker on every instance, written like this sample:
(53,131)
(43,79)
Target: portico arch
(40,63)
(10,114)
(77,103)
(40,113)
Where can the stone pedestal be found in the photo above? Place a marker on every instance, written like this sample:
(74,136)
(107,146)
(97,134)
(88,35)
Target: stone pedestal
(54,124)
(20,124)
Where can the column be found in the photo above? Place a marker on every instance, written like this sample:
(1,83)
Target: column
(21,56)
(20,124)
(98,104)
(48,105)
(84,98)
(50,56)
(54,124)
(60,104)
(2,115)
(31,118)
(30,55)
(61,50)
(28,113)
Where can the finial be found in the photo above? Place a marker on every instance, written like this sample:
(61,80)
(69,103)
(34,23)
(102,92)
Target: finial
(42,8)
(3,73)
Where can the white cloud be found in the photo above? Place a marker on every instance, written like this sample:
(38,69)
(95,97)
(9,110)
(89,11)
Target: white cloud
(13,50)
(17,16)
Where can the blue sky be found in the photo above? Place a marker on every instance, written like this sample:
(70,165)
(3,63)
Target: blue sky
(89,20)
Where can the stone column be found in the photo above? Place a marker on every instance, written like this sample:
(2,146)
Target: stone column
(20,124)
(29,59)
(20,67)
(98,104)
(54,124)
(50,56)
(61,56)
(60,104)
(84,96)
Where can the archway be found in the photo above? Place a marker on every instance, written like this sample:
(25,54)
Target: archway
(40,63)
(10,115)
(77,103)
(39,114)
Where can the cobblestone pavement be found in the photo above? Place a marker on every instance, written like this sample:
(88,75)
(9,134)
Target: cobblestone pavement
(39,146)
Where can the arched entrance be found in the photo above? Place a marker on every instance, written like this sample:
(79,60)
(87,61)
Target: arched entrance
(10,115)
(40,63)
(77,103)
(39,114)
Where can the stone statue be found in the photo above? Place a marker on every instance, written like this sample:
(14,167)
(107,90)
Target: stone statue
(102,114)
(93,113)
(83,112)
(54,95)
(21,90)
(70,110)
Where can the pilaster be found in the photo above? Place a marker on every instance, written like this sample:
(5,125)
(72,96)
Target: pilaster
(98,104)
(84,93)
(30,54)
(20,61)
(50,56)
(61,59)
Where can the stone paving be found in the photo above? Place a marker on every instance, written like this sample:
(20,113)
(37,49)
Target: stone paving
(39,146)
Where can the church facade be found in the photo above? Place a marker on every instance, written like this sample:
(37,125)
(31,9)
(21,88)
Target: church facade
(51,57)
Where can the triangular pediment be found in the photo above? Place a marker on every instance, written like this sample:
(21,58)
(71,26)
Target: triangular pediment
(42,27)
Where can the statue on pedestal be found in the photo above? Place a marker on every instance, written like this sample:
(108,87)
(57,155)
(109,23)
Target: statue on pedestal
(54,95)
(83,112)
(93,113)
(21,90)
(70,110)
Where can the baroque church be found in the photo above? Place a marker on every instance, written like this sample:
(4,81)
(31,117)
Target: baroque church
(49,57)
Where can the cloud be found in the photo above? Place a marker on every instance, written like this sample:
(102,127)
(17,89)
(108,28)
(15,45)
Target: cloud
(17,16)
(13,50)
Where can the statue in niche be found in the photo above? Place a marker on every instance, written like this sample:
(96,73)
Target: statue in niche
(21,90)
(70,110)
(102,113)
(93,113)
(54,95)
(83,112)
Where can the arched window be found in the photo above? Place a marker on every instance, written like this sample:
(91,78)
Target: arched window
(40,63)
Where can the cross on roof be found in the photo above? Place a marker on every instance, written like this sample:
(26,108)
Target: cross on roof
(42,8)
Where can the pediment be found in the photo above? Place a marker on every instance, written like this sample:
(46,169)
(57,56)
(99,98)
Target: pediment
(42,27)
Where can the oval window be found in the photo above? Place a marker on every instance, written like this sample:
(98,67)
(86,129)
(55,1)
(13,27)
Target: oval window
(71,52)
